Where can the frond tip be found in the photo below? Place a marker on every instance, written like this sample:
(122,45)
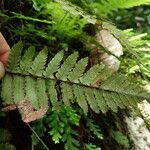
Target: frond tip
(66,81)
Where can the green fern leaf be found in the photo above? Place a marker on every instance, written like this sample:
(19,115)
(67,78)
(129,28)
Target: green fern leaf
(41,93)
(31,93)
(78,70)
(67,93)
(19,93)
(52,93)
(125,100)
(38,64)
(124,87)
(70,142)
(60,123)
(115,97)
(80,97)
(56,126)
(75,10)
(26,60)
(7,85)
(105,7)
(92,75)
(100,101)
(54,64)
(14,57)
(89,94)
(94,128)
(120,138)
(72,115)
(109,101)
(67,66)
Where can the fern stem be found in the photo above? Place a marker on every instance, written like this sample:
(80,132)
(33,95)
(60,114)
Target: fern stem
(49,78)
(38,137)
(68,82)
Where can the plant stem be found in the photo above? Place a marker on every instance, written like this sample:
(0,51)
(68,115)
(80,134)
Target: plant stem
(38,137)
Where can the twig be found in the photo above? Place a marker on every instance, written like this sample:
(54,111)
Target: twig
(38,137)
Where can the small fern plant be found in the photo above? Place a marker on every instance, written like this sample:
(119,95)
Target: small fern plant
(33,83)
(65,126)
(61,124)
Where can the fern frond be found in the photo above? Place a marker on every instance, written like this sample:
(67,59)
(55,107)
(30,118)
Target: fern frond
(75,10)
(60,123)
(69,82)
(71,143)
(94,128)
(105,7)
(128,45)
(120,138)
(56,126)
(98,7)
(141,47)
(123,87)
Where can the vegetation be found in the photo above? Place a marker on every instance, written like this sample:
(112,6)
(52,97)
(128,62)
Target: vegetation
(75,100)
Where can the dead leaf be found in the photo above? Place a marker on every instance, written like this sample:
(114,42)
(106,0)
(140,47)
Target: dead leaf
(28,113)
